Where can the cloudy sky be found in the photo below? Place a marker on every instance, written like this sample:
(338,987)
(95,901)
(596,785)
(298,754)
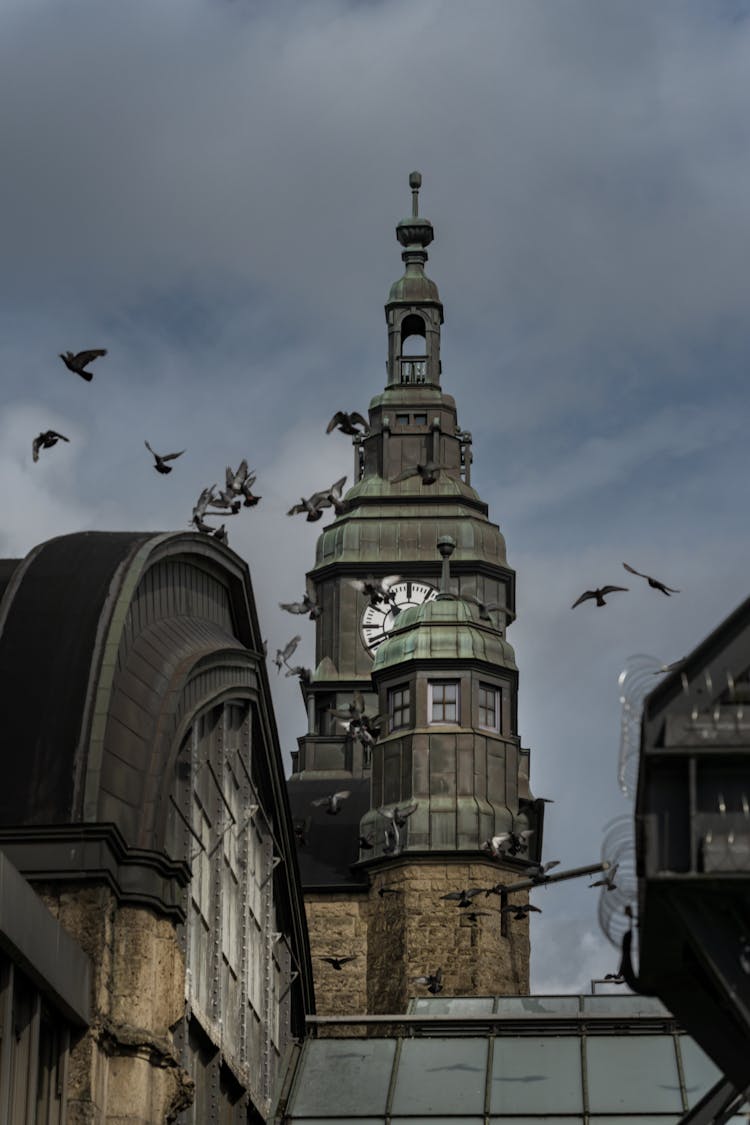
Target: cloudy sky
(208,188)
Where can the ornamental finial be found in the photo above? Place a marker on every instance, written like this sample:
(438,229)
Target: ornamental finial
(415,183)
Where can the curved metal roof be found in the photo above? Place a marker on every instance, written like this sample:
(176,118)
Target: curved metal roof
(443,629)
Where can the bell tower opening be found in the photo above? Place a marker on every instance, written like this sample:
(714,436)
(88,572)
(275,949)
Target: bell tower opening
(414,312)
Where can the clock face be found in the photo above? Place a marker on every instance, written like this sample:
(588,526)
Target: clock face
(378,620)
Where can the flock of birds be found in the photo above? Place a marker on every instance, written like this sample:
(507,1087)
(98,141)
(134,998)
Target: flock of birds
(238,493)
(498,847)
(599,594)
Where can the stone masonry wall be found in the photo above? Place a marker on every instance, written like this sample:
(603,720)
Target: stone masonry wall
(413,933)
(124,1070)
(408,931)
(338,927)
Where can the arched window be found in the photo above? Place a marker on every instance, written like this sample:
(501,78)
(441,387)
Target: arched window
(413,336)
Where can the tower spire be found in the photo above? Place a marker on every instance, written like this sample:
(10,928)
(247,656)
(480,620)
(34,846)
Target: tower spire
(415,183)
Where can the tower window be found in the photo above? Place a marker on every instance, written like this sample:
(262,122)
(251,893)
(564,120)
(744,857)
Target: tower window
(489,707)
(399,707)
(443,701)
(402,419)
(420,419)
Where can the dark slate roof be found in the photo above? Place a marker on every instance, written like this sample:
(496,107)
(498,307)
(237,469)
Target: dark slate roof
(7,566)
(46,645)
(330,842)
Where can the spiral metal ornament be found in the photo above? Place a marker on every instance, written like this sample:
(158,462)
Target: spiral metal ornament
(635,682)
(618,847)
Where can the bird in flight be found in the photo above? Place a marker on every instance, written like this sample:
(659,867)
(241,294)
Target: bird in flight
(308,605)
(338,963)
(463,898)
(347,423)
(488,608)
(433,981)
(46,440)
(654,583)
(429,472)
(332,802)
(314,505)
(220,533)
(519,910)
(377,589)
(77,361)
(159,459)
(399,816)
(508,843)
(304,674)
(540,875)
(283,654)
(598,594)
(608,880)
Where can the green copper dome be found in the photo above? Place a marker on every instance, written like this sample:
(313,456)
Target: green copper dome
(444,629)
(413,288)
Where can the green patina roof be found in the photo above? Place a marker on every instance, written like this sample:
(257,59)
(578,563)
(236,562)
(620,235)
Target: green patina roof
(414,287)
(445,628)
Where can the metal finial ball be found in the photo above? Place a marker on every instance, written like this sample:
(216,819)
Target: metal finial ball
(415,180)
(446,545)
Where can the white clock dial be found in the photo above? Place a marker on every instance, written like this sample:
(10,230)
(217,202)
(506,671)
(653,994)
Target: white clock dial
(378,620)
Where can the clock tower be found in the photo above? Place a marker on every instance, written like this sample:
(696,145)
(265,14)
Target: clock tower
(378,570)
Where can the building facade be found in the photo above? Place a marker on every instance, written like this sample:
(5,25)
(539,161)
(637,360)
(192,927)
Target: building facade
(144,806)
(437,672)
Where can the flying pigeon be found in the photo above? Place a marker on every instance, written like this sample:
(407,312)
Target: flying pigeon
(227,501)
(220,533)
(540,875)
(429,472)
(314,505)
(399,816)
(337,963)
(519,910)
(347,423)
(654,583)
(488,608)
(598,594)
(159,459)
(283,654)
(203,502)
(608,880)
(304,674)
(235,480)
(77,361)
(508,843)
(308,605)
(333,496)
(377,589)
(46,440)
(332,802)
(433,981)
(463,898)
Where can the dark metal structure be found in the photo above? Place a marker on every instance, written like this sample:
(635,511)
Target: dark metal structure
(693,845)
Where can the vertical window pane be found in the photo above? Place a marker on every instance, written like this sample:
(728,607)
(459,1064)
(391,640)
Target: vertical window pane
(444,701)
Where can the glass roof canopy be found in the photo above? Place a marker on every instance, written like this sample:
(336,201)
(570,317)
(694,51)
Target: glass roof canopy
(508,1060)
